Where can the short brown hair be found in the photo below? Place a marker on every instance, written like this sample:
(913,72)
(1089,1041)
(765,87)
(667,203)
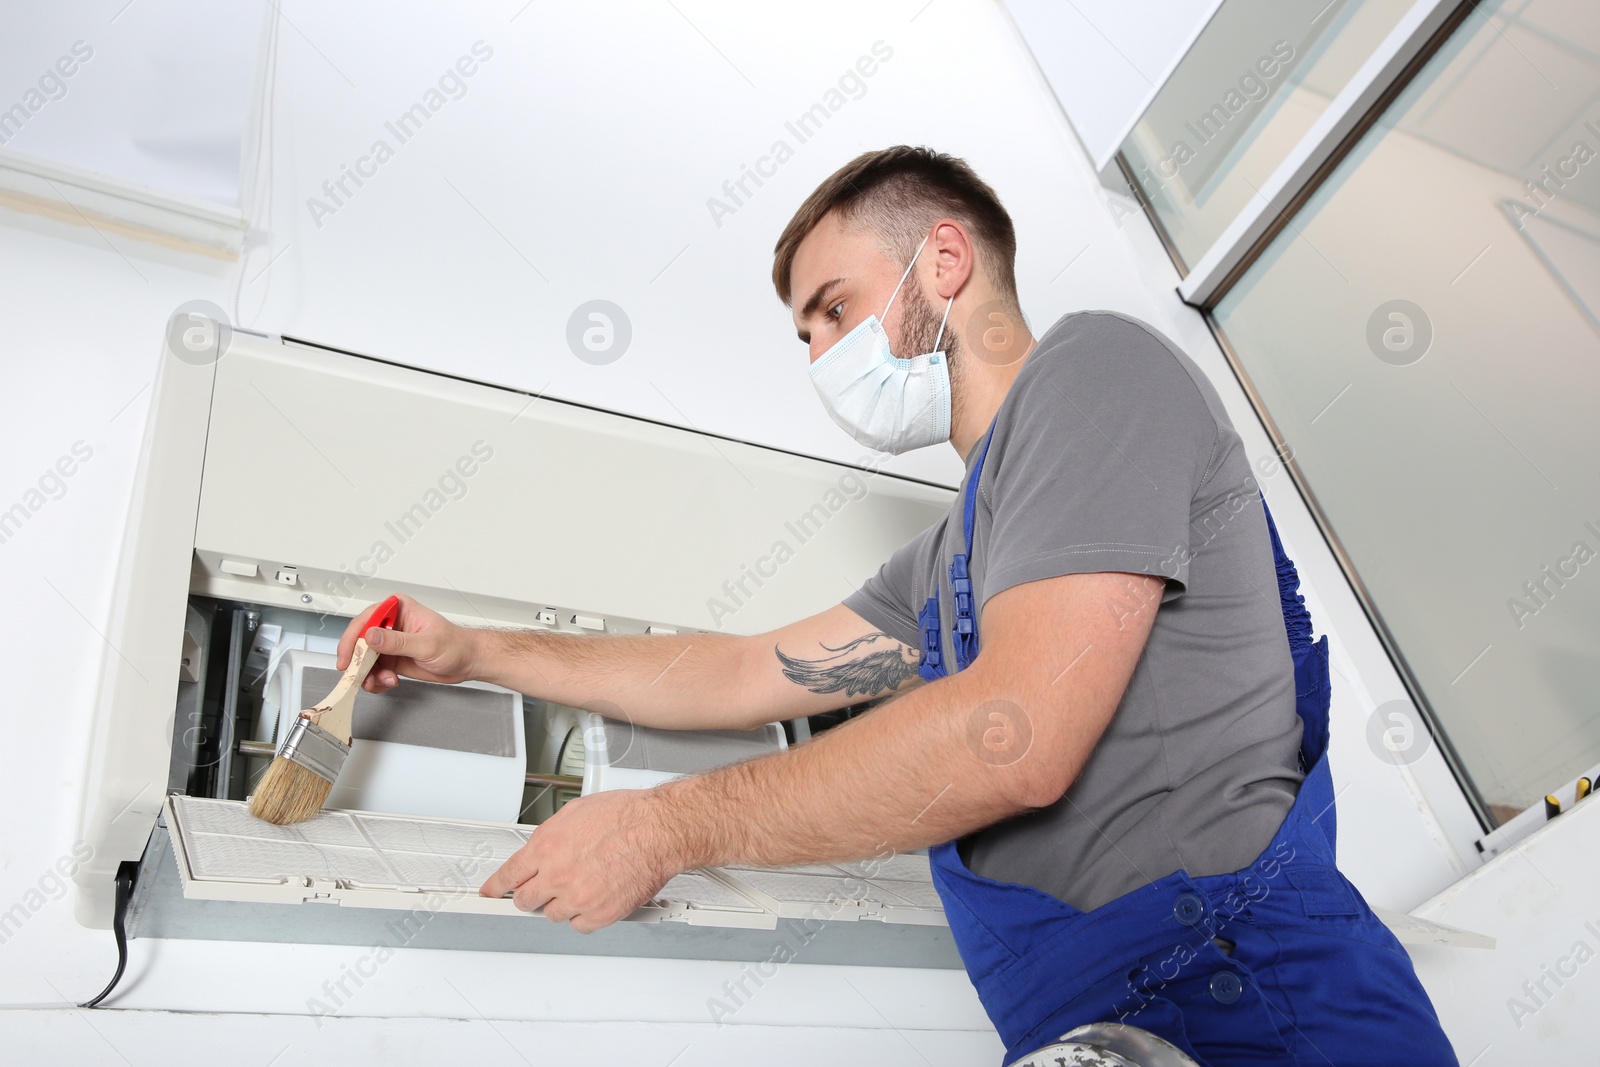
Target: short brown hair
(898,193)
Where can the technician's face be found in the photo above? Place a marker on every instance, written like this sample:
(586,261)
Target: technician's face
(839,277)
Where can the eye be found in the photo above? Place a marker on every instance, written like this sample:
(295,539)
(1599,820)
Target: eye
(836,312)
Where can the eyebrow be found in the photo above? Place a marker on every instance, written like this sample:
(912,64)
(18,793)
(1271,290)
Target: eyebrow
(816,297)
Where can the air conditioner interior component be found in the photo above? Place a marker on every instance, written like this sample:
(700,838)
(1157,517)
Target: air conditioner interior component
(620,755)
(422,748)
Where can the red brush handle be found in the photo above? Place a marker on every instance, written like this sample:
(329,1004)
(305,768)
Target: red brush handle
(384,615)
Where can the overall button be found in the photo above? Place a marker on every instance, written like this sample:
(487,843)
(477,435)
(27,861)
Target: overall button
(1187,909)
(1226,987)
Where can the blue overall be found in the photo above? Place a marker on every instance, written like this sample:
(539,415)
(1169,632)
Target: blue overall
(1311,976)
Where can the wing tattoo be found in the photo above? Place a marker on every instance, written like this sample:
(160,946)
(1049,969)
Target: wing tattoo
(853,675)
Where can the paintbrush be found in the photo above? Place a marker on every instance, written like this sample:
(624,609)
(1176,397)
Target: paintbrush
(302,773)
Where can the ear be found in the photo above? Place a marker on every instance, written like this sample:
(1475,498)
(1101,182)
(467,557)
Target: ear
(954,258)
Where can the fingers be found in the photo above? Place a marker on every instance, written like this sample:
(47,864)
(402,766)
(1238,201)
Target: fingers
(532,891)
(396,642)
(519,876)
(522,866)
(531,896)
(395,647)
(381,679)
(357,627)
(347,640)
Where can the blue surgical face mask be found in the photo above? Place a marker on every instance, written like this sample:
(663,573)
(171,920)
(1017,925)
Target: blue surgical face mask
(884,402)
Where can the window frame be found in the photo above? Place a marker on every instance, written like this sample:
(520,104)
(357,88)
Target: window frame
(1404,53)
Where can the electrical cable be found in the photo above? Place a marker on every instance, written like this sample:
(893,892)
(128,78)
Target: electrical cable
(127,873)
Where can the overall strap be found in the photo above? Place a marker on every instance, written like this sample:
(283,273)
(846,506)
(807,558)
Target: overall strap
(1313,688)
(970,504)
(965,636)
(931,665)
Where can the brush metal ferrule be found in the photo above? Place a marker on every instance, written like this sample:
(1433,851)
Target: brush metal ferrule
(315,749)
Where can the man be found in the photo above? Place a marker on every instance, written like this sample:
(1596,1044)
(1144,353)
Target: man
(1110,789)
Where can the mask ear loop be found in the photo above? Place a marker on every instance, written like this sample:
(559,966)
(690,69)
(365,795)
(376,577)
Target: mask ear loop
(940,335)
(948,304)
(904,276)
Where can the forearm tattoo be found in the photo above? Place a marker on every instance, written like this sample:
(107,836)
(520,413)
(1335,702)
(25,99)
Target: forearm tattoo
(853,675)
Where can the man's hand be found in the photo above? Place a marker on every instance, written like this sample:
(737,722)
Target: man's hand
(423,644)
(593,862)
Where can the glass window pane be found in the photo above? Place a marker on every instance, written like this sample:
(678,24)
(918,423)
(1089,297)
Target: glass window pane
(1426,336)
(1256,79)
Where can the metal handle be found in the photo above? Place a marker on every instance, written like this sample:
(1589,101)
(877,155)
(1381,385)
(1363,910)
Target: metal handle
(569,781)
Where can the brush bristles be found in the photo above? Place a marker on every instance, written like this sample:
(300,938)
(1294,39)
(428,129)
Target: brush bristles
(289,793)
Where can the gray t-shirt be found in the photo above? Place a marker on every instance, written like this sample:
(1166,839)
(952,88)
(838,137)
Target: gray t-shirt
(1112,452)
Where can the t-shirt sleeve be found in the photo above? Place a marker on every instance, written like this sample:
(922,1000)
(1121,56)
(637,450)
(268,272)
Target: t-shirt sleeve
(1102,461)
(888,599)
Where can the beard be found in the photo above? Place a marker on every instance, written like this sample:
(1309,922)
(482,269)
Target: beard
(919,327)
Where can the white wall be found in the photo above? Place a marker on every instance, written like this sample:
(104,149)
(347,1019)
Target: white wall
(577,165)
(1105,59)
(155,93)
